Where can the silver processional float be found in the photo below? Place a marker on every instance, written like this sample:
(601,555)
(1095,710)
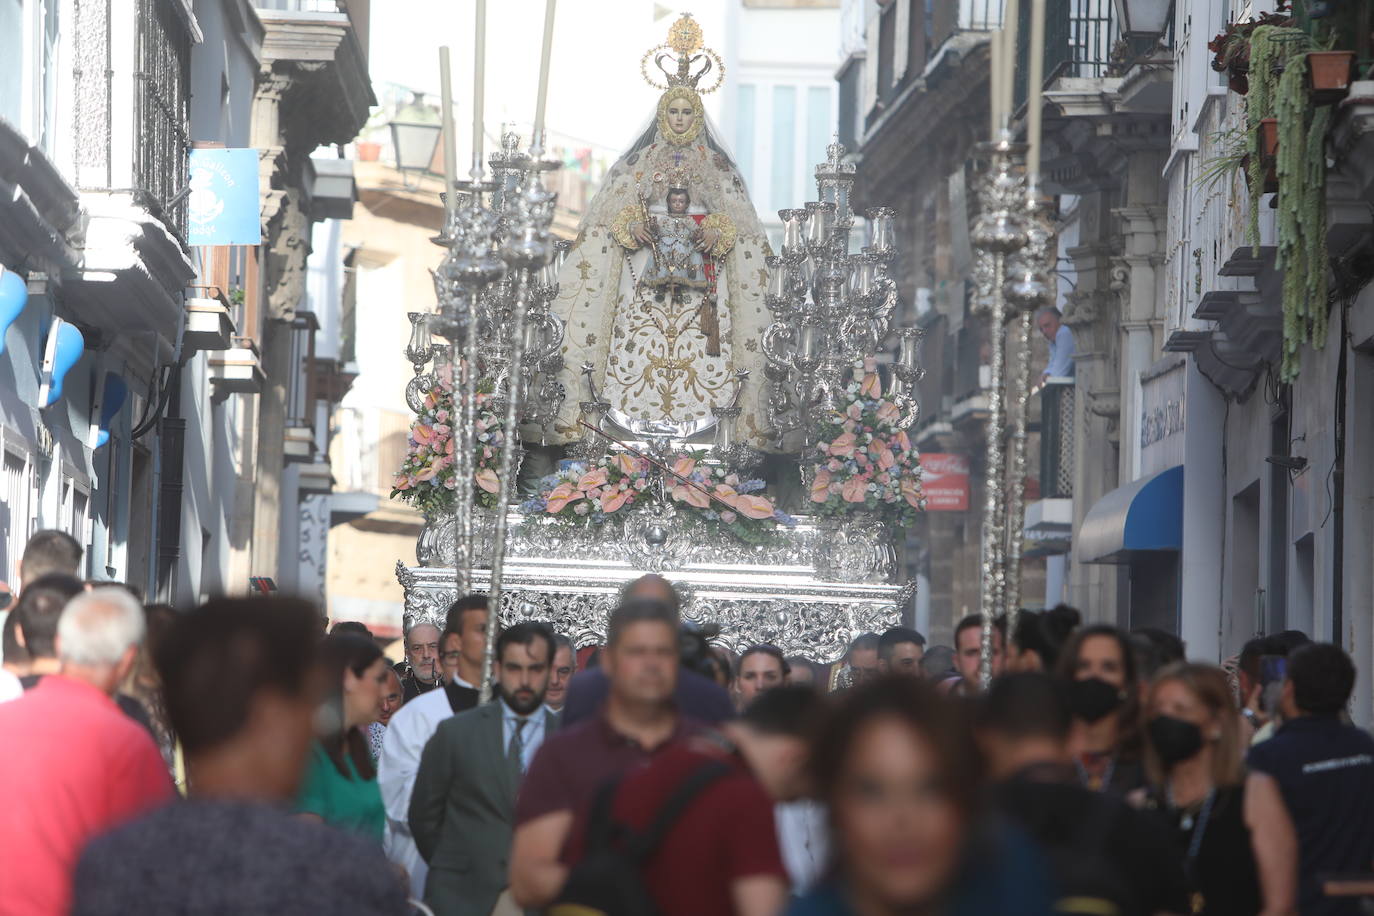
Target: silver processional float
(701,502)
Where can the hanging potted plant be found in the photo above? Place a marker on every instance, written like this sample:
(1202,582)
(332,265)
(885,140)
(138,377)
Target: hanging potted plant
(1288,132)
(1328,75)
(1231,48)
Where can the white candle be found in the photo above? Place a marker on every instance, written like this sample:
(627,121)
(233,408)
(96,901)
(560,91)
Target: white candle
(537,141)
(1009,61)
(450,144)
(479,69)
(1035,73)
(995,83)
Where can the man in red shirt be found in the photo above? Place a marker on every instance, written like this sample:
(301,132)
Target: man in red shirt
(79,766)
(637,721)
(721,854)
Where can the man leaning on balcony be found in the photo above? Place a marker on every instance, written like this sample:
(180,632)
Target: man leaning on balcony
(1049,321)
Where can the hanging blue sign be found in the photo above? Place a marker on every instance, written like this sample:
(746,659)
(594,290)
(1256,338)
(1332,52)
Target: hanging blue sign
(223,205)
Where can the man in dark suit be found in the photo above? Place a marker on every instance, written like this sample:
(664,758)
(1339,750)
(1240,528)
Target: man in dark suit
(462,811)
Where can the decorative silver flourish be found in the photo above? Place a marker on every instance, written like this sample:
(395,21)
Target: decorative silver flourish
(856,548)
(802,617)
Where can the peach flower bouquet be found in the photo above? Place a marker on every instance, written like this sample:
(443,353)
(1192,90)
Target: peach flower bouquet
(590,492)
(866,460)
(427,478)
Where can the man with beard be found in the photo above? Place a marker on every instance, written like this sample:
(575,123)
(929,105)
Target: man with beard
(462,811)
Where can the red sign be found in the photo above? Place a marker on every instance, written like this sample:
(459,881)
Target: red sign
(944,481)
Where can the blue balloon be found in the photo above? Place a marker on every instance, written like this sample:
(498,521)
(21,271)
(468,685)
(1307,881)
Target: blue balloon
(116,393)
(14,295)
(70,345)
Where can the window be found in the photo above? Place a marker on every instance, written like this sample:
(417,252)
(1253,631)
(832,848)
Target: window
(744,133)
(17,521)
(820,127)
(11,60)
(783,185)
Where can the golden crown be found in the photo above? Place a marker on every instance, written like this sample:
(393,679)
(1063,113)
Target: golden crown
(687,54)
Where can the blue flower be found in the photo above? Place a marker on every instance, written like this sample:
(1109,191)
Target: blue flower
(750,486)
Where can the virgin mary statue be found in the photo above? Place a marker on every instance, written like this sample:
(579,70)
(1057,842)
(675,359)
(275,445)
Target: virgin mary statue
(662,293)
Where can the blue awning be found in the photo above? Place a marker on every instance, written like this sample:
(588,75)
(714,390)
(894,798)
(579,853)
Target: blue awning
(1146,514)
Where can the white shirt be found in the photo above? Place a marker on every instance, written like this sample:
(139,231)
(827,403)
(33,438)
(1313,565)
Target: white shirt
(406,736)
(804,837)
(1061,354)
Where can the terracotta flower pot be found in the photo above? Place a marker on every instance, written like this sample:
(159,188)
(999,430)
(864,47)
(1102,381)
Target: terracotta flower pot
(1269,138)
(368,151)
(1328,74)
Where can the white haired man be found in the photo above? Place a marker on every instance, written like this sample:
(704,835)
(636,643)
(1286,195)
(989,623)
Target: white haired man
(85,766)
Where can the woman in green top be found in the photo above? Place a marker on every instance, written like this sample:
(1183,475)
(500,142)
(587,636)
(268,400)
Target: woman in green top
(340,785)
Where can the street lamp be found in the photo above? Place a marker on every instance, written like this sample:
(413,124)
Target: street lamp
(415,132)
(1144,18)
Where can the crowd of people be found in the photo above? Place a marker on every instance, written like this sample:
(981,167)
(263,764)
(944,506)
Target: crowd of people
(236,759)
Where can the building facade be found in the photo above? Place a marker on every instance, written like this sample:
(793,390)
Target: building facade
(145,381)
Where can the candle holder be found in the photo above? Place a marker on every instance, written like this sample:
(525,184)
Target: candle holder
(830,309)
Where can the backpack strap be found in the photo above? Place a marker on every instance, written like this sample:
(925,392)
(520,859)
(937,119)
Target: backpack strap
(601,825)
(640,847)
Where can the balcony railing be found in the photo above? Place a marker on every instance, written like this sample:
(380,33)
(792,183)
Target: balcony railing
(1080,39)
(1056,439)
(163,113)
(303,6)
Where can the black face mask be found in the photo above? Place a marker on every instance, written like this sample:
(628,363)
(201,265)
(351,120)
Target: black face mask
(1093,698)
(1174,740)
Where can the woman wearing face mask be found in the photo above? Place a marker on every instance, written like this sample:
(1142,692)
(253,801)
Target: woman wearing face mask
(1193,753)
(1104,693)
(896,765)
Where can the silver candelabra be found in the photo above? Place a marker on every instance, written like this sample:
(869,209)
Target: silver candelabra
(830,308)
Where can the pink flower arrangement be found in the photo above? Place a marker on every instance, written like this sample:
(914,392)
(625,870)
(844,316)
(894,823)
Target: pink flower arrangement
(866,460)
(587,493)
(427,478)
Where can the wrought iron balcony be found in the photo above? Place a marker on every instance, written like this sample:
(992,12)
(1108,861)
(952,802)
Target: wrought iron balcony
(143,157)
(1081,40)
(1056,439)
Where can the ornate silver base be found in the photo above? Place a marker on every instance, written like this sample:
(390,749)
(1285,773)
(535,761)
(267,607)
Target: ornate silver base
(809,591)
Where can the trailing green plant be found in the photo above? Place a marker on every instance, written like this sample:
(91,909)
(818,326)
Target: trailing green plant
(1271,48)
(1278,90)
(1231,145)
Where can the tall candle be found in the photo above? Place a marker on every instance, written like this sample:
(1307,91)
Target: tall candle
(537,141)
(450,144)
(1009,61)
(1036,76)
(995,83)
(479,71)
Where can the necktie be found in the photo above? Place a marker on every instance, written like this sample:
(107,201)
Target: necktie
(515,751)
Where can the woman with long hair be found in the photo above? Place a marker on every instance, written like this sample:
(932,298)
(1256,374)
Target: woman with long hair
(1104,693)
(340,785)
(897,767)
(1193,754)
